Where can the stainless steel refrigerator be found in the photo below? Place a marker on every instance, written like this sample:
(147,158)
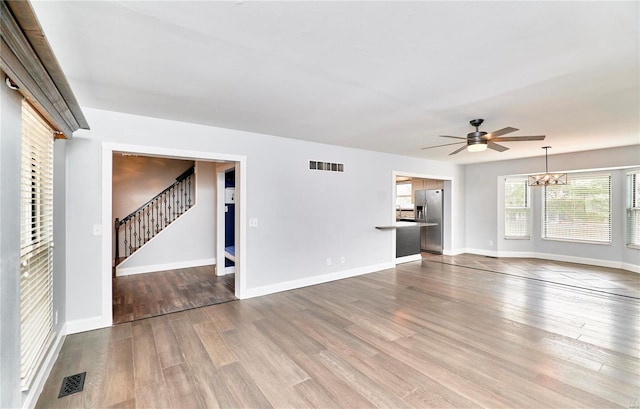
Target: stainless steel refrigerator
(429,208)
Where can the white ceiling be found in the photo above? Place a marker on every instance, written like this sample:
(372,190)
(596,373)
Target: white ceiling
(386,76)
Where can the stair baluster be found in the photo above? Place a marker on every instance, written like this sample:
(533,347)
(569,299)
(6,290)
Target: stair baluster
(142,224)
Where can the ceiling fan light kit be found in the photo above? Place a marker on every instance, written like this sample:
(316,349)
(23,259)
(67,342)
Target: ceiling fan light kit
(478,146)
(546,178)
(479,141)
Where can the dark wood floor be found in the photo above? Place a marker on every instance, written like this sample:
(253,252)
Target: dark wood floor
(148,295)
(424,334)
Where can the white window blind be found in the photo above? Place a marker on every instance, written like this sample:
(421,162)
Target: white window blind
(36,242)
(579,210)
(633,209)
(517,209)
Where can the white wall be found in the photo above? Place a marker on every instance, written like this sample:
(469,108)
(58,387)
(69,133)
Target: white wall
(137,179)
(10,129)
(304,216)
(484,209)
(187,242)
(59,232)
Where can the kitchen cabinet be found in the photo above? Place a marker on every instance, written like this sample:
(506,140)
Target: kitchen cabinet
(408,241)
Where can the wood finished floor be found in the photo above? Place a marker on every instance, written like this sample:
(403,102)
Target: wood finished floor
(148,295)
(424,334)
(599,279)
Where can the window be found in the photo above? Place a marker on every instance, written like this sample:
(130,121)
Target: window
(403,196)
(36,242)
(516,209)
(633,209)
(579,210)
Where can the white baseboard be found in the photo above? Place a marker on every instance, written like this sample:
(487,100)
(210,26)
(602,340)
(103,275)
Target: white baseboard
(229,270)
(558,257)
(455,252)
(488,253)
(85,324)
(127,271)
(304,282)
(580,260)
(408,259)
(631,267)
(30,397)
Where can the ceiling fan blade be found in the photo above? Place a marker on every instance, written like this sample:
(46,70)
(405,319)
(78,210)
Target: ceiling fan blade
(499,132)
(458,150)
(496,147)
(455,137)
(519,138)
(438,146)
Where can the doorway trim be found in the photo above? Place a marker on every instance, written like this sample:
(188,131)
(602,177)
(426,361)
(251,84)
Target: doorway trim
(221,222)
(107,218)
(449,217)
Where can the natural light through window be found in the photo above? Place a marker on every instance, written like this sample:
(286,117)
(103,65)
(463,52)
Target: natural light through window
(580,210)
(403,196)
(516,209)
(633,209)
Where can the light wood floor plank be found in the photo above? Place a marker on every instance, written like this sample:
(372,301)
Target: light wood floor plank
(119,390)
(203,371)
(244,390)
(181,387)
(448,332)
(216,346)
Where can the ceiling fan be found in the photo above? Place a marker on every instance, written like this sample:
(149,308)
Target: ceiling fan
(479,140)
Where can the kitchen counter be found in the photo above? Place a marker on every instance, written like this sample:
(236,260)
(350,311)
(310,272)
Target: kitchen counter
(405,224)
(407,236)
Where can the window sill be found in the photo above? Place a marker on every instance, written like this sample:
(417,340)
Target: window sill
(598,243)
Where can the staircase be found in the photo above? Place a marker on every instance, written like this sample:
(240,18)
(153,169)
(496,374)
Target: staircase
(143,224)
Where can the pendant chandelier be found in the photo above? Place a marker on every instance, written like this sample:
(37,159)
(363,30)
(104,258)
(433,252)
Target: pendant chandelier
(546,178)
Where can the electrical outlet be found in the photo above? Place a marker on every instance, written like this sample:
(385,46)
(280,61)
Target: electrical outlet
(329,261)
(490,243)
(253,222)
(343,259)
(55,318)
(97,230)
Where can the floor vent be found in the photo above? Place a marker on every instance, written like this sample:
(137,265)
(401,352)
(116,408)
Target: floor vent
(72,384)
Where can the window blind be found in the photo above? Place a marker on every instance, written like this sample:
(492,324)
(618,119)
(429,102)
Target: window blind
(579,210)
(516,209)
(36,242)
(633,209)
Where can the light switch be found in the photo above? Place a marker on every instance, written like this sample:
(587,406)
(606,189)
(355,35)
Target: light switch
(253,222)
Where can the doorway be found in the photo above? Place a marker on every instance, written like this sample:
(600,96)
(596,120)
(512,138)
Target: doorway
(160,205)
(409,241)
(235,281)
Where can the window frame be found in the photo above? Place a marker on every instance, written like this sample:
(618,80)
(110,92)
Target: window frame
(632,207)
(526,207)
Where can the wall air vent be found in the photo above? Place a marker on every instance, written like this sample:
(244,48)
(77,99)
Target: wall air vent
(328,166)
